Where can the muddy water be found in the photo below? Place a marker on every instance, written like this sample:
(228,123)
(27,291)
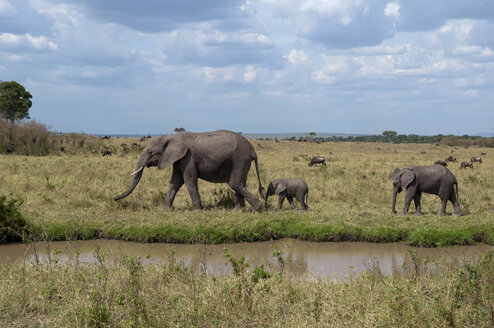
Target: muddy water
(335,260)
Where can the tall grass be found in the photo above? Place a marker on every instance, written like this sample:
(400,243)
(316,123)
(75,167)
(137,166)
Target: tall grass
(70,195)
(133,295)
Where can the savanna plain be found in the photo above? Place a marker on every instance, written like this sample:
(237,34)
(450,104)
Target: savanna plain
(69,196)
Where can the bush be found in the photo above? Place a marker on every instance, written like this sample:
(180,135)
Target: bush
(34,139)
(27,138)
(12,224)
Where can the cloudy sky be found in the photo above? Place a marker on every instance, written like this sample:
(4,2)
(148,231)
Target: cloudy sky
(258,66)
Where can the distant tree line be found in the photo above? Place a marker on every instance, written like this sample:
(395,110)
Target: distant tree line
(449,140)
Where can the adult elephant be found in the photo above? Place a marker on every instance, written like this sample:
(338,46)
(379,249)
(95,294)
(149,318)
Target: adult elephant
(219,156)
(435,179)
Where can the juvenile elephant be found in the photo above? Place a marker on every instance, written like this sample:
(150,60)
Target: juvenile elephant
(435,179)
(289,188)
(219,156)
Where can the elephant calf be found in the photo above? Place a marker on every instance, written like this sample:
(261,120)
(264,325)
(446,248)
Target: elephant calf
(435,179)
(289,188)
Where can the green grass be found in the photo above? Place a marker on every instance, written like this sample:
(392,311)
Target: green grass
(70,196)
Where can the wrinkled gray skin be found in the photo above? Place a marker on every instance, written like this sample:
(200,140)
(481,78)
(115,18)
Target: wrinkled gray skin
(289,188)
(219,156)
(435,179)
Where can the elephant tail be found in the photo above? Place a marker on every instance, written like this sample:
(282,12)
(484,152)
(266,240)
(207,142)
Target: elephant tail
(261,189)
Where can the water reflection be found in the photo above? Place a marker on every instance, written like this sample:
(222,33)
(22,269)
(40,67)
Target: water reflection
(299,258)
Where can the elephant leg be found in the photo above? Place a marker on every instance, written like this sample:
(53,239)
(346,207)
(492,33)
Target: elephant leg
(176,182)
(454,201)
(444,202)
(193,190)
(290,201)
(416,200)
(300,198)
(238,184)
(239,201)
(190,177)
(281,199)
(408,199)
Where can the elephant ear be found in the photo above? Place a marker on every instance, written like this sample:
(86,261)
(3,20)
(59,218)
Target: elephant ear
(395,173)
(280,187)
(173,150)
(407,178)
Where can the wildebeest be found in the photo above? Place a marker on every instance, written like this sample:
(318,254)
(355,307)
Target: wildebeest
(483,153)
(464,165)
(451,159)
(317,160)
(476,159)
(106,152)
(439,162)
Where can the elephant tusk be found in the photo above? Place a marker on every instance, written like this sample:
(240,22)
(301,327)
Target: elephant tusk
(133,173)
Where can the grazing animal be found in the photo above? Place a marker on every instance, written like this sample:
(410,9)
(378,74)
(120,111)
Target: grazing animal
(439,162)
(464,165)
(476,159)
(289,188)
(483,153)
(219,157)
(451,159)
(435,179)
(106,152)
(317,160)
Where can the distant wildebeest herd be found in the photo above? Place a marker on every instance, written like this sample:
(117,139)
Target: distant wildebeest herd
(225,157)
(463,165)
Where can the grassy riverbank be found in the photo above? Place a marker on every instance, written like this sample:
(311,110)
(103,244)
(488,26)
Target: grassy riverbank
(70,196)
(133,295)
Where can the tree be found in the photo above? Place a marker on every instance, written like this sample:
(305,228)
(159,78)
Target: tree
(312,134)
(389,133)
(14,101)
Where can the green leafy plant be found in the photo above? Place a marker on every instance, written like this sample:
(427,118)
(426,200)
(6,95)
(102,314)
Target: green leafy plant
(12,223)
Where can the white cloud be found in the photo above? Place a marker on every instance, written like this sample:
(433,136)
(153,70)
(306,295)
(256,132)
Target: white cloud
(6,9)
(470,93)
(250,74)
(297,56)
(392,9)
(344,10)
(322,77)
(9,40)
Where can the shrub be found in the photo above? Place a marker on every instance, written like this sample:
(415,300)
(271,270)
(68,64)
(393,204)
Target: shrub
(12,224)
(27,138)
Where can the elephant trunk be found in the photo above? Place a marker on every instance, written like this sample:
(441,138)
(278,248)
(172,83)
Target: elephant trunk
(395,192)
(143,162)
(135,181)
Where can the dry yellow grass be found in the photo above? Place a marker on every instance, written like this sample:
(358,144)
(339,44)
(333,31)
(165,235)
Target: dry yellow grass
(71,196)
